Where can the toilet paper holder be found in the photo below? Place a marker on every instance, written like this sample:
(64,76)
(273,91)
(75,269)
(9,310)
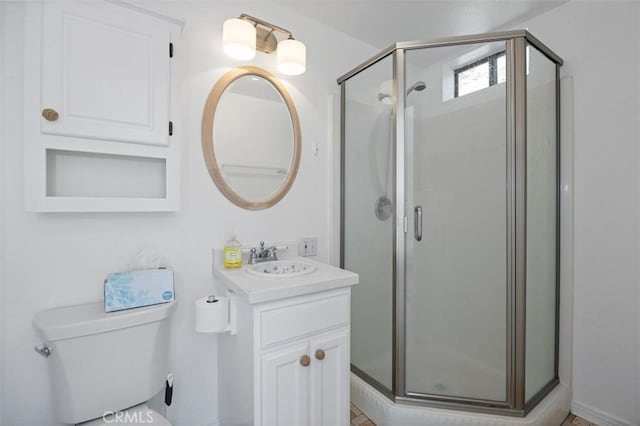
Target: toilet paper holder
(232,317)
(233,326)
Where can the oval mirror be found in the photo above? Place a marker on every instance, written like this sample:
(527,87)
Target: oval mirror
(251,138)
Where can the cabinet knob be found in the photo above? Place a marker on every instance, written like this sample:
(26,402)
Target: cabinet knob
(320,354)
(305,360)
(50,114)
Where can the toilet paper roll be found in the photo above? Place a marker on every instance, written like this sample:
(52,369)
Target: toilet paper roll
(212,314)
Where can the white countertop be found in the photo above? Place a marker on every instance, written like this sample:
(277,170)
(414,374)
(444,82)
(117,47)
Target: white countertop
(258,289)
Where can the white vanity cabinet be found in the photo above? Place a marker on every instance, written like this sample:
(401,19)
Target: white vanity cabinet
(99,108)
(289,362)
(304,362)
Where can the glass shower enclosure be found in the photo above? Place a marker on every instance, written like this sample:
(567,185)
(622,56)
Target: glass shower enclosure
(450,214)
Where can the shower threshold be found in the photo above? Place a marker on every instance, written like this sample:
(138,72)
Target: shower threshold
(553,409)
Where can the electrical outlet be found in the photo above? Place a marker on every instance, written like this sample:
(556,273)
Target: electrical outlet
(308,246)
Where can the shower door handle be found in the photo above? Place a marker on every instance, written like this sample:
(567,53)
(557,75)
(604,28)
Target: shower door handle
(417,226)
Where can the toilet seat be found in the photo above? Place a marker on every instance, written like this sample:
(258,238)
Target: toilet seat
(135,416)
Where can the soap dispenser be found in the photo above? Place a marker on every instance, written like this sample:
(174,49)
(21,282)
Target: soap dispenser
(232,253)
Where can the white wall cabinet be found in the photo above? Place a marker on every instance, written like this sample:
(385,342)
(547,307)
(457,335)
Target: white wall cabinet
(100,131)
(288,364)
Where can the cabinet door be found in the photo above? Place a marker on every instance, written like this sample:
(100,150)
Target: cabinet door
(106,72)
(284,389)
(330,380)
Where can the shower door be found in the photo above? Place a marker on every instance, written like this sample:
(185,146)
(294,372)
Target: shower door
(456,202)
(368,188)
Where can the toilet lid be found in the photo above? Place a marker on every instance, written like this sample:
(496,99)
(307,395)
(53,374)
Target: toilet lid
(134,416)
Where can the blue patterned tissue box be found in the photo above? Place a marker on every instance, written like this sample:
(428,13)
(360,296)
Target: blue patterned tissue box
(134,289)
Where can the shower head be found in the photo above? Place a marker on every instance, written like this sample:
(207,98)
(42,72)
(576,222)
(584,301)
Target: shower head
(418,86)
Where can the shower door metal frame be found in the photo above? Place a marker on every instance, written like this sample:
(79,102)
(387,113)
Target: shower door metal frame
(516,196)
(401,228)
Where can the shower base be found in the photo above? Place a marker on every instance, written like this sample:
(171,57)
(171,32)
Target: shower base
(552,410)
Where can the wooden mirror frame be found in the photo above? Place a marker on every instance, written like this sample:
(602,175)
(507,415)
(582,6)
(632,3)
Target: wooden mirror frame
(208,117)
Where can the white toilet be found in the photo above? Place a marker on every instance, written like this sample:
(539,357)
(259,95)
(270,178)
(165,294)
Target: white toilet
(100,363)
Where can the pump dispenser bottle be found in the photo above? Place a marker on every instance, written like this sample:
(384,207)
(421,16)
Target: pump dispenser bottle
(232,253)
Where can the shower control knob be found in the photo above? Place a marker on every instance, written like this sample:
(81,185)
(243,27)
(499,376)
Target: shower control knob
(305,360)
(320,354)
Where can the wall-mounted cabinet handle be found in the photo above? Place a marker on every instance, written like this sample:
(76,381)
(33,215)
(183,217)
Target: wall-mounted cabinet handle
(305,360)
(50,114)
(417,227)
(320,354)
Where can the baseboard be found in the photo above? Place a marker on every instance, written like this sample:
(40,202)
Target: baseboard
(596,416)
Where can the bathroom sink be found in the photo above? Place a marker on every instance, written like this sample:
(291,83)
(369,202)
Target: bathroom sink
(281,269)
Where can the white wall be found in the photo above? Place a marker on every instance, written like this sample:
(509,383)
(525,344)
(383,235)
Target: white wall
(599,43)
(59,259)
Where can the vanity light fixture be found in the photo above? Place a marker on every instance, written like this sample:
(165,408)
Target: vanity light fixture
(242,36)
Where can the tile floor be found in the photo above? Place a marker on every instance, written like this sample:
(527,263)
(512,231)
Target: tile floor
(359,419)
(573,420)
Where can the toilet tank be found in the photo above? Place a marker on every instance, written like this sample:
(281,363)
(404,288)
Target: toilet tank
(101,361)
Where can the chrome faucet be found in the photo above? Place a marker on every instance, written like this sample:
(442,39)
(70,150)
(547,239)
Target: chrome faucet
(264,255)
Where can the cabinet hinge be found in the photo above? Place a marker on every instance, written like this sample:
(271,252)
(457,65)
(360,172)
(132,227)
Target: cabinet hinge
(171,128)
(171,50)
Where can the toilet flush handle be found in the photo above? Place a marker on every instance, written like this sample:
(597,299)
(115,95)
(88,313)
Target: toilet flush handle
(45,351)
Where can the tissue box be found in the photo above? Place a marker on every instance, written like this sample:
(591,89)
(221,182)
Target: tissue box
(127,290)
